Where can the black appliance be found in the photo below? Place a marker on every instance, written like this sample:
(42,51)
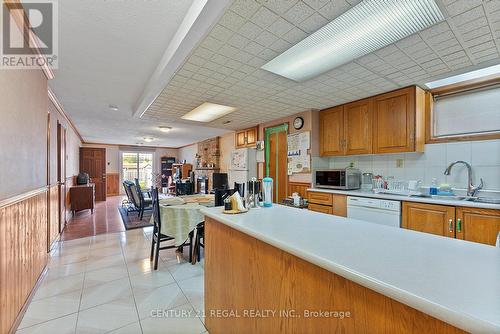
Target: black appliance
(82,178)
(219,181)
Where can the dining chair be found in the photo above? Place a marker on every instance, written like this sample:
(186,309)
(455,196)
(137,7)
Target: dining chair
(142,204)
(221,195)
(240,187)
(157,237)
(130,200)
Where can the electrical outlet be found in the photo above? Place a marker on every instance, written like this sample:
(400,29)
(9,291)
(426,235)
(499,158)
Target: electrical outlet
(353,164)
(400,163)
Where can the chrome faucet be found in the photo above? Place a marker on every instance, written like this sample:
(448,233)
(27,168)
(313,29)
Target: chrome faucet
(471,189)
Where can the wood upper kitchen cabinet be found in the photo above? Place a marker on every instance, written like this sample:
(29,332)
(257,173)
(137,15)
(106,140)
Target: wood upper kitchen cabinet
(246,137)
(478,225)
(358,127)
(331,129)
(398,121)
(429,218)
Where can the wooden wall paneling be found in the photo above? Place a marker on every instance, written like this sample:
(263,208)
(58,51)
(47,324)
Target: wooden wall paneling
(23,253)
(257,276)
(70,181)
(298,187)
(112,184)
(53,223)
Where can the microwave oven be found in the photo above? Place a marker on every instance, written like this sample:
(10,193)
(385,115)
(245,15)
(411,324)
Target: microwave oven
(345,178)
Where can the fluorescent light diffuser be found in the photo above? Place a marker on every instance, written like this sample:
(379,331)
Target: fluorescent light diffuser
(369,26)
(208,112)
(484,72)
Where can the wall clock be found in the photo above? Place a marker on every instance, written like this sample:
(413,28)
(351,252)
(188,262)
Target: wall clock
(298,123)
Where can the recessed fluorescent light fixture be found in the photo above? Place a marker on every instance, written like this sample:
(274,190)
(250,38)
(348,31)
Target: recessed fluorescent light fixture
(148,139)
(368,26)
(208,112)
(484,72)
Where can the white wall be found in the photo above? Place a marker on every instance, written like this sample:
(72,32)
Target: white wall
(484,156)
(188,153)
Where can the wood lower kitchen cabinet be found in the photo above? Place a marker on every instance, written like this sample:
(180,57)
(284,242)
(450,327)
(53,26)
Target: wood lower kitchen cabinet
(478,225)
(429,218)
(334,204)
(467,223)
(246,137)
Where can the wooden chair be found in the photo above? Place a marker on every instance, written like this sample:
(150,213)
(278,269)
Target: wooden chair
(157,238)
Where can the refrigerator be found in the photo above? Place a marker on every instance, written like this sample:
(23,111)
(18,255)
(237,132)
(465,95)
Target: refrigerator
(242,166)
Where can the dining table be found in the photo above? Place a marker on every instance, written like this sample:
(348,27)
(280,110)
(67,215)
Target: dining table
(180,215)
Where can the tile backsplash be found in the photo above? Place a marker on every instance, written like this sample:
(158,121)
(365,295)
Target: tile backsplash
(484,156)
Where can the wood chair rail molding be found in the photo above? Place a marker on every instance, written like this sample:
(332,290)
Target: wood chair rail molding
(22,197)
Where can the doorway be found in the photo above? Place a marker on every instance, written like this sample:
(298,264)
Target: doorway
(93,162)
(137,165)
(276,144)
(61,175)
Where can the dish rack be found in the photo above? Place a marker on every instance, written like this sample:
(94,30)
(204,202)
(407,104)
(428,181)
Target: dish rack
(394,187)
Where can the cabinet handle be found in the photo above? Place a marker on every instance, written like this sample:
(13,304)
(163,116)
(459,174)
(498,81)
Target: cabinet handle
(459,225)
(450,225)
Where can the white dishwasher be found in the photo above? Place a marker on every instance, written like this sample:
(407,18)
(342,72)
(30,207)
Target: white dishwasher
(372,210)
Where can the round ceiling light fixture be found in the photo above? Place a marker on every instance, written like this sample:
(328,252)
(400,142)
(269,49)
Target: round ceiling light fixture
(148,139)
(164,128)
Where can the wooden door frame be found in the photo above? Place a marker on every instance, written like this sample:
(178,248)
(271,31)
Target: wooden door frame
(284,127)
(61,176)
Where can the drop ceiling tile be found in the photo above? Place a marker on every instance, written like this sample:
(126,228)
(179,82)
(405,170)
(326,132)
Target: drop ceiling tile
(468,35)
(479,40)
(461,6)
(295,35)
(313,23)
(221,33)
(232,21)
(212,44)
(264,17)
(266,38)
(482,47)
(485,53)
(280,46)
(245,8)
(254,48)
(279,6)
(469,15)
(250,30)
(487,58)
(334,8)
(298,13)
(280,27)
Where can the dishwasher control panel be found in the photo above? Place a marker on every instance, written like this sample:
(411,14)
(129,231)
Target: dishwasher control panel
(374,203)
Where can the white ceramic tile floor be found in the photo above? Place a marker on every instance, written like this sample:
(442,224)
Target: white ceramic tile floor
(106,284)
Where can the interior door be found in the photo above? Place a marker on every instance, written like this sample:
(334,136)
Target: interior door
(93,162)
(61,175)
(277,165)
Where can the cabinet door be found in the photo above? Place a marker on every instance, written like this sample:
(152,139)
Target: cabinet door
(358,127)
(320,208)
(331,129)
(394,121)
(339,205)
(240,139)
(319,198)
(251,135)
(478,225)
(429,218)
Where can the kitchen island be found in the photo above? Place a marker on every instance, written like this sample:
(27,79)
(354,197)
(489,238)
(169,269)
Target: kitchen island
(284,270)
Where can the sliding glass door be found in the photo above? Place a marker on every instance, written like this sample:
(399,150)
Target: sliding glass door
(137,165)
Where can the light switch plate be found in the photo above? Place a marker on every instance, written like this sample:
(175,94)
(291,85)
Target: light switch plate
(400,163)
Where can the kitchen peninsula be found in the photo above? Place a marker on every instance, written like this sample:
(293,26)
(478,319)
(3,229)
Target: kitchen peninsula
(317,273)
